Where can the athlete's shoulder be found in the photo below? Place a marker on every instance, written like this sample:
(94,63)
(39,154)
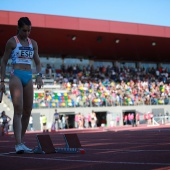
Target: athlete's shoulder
(12,39)
(33,41)
(11,42)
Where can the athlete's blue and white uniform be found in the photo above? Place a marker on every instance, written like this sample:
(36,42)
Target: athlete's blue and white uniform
(22,55)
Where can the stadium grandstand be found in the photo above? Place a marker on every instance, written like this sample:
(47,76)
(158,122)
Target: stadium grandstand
(112,68)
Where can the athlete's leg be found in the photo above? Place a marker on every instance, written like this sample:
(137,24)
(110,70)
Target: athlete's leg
(16,90)
(2,129)
(27,106)
(6,128)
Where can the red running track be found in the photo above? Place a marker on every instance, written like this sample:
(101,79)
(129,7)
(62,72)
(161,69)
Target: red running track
(123,148)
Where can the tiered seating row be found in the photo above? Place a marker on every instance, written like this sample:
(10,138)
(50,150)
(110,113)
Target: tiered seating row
(52,99)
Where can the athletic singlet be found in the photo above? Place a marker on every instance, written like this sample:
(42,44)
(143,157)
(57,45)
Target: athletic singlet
(22,54)
(4,119)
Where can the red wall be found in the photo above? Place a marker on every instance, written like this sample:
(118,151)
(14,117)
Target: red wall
(72,23)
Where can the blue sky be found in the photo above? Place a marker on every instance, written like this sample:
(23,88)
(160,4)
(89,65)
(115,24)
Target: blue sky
(154,12)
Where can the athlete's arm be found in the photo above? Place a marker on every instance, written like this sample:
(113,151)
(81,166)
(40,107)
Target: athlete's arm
(8,118)
(10,45)
(36,57)
(38,64)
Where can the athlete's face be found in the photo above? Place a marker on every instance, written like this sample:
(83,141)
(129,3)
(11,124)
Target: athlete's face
(24,31)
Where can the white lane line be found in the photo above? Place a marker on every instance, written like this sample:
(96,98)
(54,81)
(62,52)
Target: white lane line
(89,161)
(8,153)
(128,150)
(119,150)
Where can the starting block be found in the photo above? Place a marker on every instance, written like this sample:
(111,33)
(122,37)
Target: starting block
(70,150)
(73,145)
(72,141)
(45,145)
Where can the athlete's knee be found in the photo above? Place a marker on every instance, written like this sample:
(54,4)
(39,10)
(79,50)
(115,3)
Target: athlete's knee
(18,109)
(27,111)
(18,114)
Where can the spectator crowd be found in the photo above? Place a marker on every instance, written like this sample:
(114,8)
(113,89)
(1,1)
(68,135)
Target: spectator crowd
(112,86)
(87,86)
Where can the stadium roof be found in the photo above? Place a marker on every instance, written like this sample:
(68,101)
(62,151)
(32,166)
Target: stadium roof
(91,38)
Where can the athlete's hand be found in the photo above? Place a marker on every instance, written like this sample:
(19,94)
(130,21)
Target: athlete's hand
(39,82)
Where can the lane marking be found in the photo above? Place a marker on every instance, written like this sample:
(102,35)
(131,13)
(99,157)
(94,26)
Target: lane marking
(119,150)
(141,150)
(89,161)
(8,153)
